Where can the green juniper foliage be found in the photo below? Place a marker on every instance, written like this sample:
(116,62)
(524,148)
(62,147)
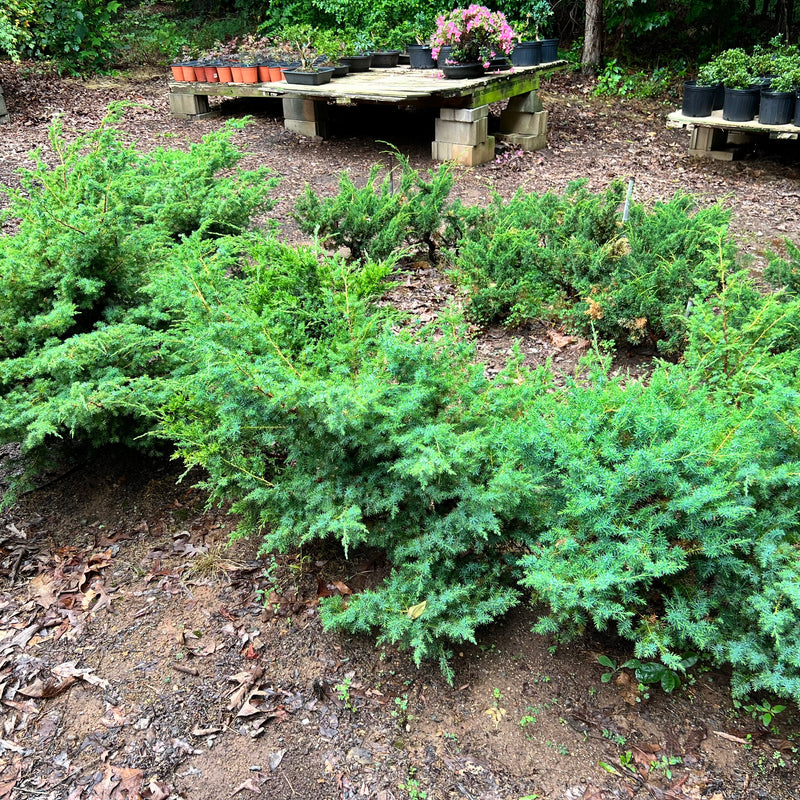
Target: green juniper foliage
(666,509)
(570,257)
(384,215)
(77,321)
(785,272)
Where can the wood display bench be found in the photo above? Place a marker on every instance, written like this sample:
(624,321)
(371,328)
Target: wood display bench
(715,137)
(462,128)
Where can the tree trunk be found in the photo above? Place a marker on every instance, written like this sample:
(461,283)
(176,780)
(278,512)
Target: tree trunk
(592,55)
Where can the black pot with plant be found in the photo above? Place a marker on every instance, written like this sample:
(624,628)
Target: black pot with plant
(734,68)
(700,96)
(777,103)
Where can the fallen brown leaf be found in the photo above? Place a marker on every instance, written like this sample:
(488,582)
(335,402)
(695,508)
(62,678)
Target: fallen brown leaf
(43,590)
(49,688)
(69,669)
(250,785)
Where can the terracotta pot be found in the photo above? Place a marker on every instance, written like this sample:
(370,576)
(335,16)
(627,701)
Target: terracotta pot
(275,73)
(224,72)
(249,74)
(177,72)
(212,73)
(236,71)
(263,74)
(188,72)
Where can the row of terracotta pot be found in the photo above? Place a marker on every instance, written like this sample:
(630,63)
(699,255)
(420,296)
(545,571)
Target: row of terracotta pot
(229,73)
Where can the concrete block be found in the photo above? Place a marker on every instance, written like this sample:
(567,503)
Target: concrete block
(527,143)
(314,130)
(188,105)
(528,103)
(300,108)
(464,154)
(464,114)
(524,123)
(470,133)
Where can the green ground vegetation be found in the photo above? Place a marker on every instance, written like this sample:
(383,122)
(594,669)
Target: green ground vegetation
(141,304)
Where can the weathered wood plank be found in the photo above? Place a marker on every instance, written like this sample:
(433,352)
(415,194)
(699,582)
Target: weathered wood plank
(397,85)
(677,120)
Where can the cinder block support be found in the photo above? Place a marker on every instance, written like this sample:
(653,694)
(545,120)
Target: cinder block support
(462,135)
(306,117)
(528,103)
(3,109)
(468,155)
(709,143)
(523,123)
(527,143)
(187,106)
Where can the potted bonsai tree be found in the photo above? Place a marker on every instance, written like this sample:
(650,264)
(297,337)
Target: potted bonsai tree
(307,73)
(357,51)
(331,48)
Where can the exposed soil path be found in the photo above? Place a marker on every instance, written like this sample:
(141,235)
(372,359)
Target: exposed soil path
(141,659)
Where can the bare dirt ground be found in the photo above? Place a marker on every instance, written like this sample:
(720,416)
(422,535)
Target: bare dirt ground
(140,658)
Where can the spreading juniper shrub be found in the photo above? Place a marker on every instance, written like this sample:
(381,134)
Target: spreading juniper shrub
(570,257)
(400,209)
(77,320)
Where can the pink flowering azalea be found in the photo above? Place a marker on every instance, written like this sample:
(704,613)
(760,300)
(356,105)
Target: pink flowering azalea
(475,33)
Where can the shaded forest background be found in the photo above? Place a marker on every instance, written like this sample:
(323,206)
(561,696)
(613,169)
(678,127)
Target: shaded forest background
(81,36)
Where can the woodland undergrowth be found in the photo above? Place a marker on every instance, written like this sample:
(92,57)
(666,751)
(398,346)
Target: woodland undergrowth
(139,303)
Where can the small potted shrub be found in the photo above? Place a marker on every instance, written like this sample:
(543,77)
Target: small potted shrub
(778,100)
(735,69)
(416,34)
(385,51)
(357,51)
(699,96)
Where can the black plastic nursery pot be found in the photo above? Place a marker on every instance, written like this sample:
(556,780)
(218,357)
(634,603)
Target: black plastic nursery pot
(549,50)
(698,101)
(527,54)
(385,58)
(741,105)
(420,56)
(444,54)
(777,108)
(317,78)
(360,63)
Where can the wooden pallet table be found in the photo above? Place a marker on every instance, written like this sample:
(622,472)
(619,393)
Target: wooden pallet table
(461,132)
(715,137)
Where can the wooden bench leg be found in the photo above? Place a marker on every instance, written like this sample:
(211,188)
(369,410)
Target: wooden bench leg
(462,135)
(306,117)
